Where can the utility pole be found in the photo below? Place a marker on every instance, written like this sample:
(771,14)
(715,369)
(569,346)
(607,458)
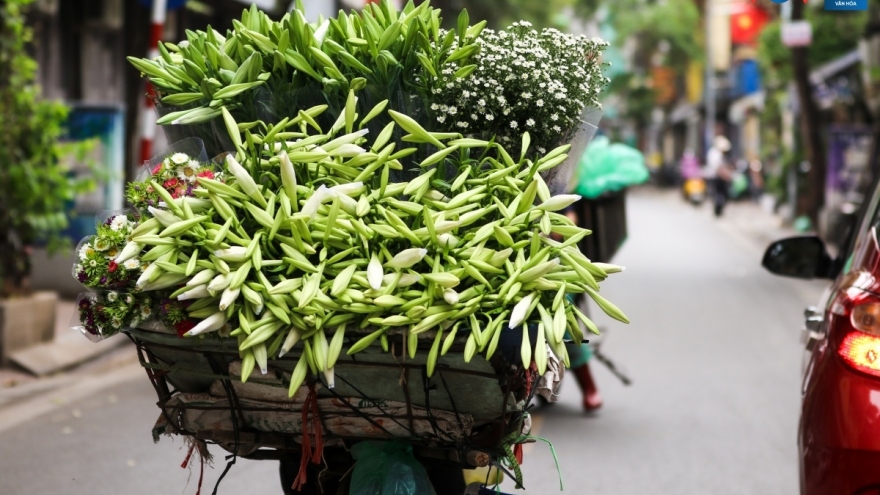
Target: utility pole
(709,85)
(811,133)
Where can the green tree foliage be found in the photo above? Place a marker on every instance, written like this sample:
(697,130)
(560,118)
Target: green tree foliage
(670,29)
(834,34)
(34,186)
(501,13)
(665,33)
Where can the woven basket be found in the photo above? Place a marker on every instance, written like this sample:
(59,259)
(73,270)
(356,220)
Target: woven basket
(462,410)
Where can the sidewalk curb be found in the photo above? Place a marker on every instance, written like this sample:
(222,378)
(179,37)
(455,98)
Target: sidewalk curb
(26,402)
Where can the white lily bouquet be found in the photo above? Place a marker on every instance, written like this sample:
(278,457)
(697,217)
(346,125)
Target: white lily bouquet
(377,179)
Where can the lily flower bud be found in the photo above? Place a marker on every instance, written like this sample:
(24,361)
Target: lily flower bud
(350,189)
(163,282)
(408,279)
(558,202)
(445,226)
(342,140)
(315,200)
(447,240)
(210,324)
(229,296)
(363,206)
(130,250)
(609,268)
(288,176)
(261,357)
(347,150)
(450,296)
(519,311)
(374,272)
(195,204)
(235,254)
(197,292)
(219,282)
(290,341)
(245,181)
(146,276)
(330,378)
(201,278)
(321,32)
(406,258)
(165,217)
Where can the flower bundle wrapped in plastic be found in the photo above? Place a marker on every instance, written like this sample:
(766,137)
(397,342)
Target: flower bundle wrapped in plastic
(98,264)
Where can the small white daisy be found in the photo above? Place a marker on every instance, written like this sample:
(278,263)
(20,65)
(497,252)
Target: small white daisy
(102,244)
(179,158)
(112,296)
(188,172)
(131,264)
(513,124)
(119,222)
(530,122)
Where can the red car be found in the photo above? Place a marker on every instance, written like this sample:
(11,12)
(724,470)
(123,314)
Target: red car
(839,433)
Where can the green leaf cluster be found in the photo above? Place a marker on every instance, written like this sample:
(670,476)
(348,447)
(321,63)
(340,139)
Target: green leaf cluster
(35,187)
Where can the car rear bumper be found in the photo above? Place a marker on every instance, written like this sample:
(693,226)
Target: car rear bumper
(839,436)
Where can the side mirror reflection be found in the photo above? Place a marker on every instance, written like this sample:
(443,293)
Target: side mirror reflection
(799,257)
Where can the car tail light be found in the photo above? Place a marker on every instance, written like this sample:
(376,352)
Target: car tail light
(859,326)
(862,352)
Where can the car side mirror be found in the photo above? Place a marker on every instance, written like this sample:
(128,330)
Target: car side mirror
(799,257)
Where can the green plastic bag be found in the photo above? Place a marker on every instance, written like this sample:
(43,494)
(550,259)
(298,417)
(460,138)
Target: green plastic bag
(388,468)
(606,167)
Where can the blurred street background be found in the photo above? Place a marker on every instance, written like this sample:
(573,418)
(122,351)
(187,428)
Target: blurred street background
(714,348)
(713,352)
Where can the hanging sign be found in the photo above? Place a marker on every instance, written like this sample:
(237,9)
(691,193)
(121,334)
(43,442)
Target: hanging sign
(797,33)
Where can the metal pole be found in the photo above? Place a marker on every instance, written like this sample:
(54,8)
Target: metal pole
(709,85)
(148,112)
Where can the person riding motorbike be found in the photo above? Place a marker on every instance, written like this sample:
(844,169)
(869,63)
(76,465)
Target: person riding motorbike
(718,172)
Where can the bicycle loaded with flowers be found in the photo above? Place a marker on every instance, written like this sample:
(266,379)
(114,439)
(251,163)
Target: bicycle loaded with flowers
(372,236)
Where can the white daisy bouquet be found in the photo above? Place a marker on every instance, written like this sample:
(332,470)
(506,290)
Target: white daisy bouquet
(98,262)
(523,80)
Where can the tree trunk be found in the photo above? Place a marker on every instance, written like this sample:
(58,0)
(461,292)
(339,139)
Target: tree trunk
(811,203)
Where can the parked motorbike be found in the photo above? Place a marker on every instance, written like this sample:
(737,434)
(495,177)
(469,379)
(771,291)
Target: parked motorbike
(693,186)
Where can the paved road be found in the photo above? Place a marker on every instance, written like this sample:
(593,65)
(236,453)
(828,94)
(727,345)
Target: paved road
(713,350)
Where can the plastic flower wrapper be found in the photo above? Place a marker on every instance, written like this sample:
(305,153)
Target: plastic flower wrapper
(106,260)
(176,169)
(102,314)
